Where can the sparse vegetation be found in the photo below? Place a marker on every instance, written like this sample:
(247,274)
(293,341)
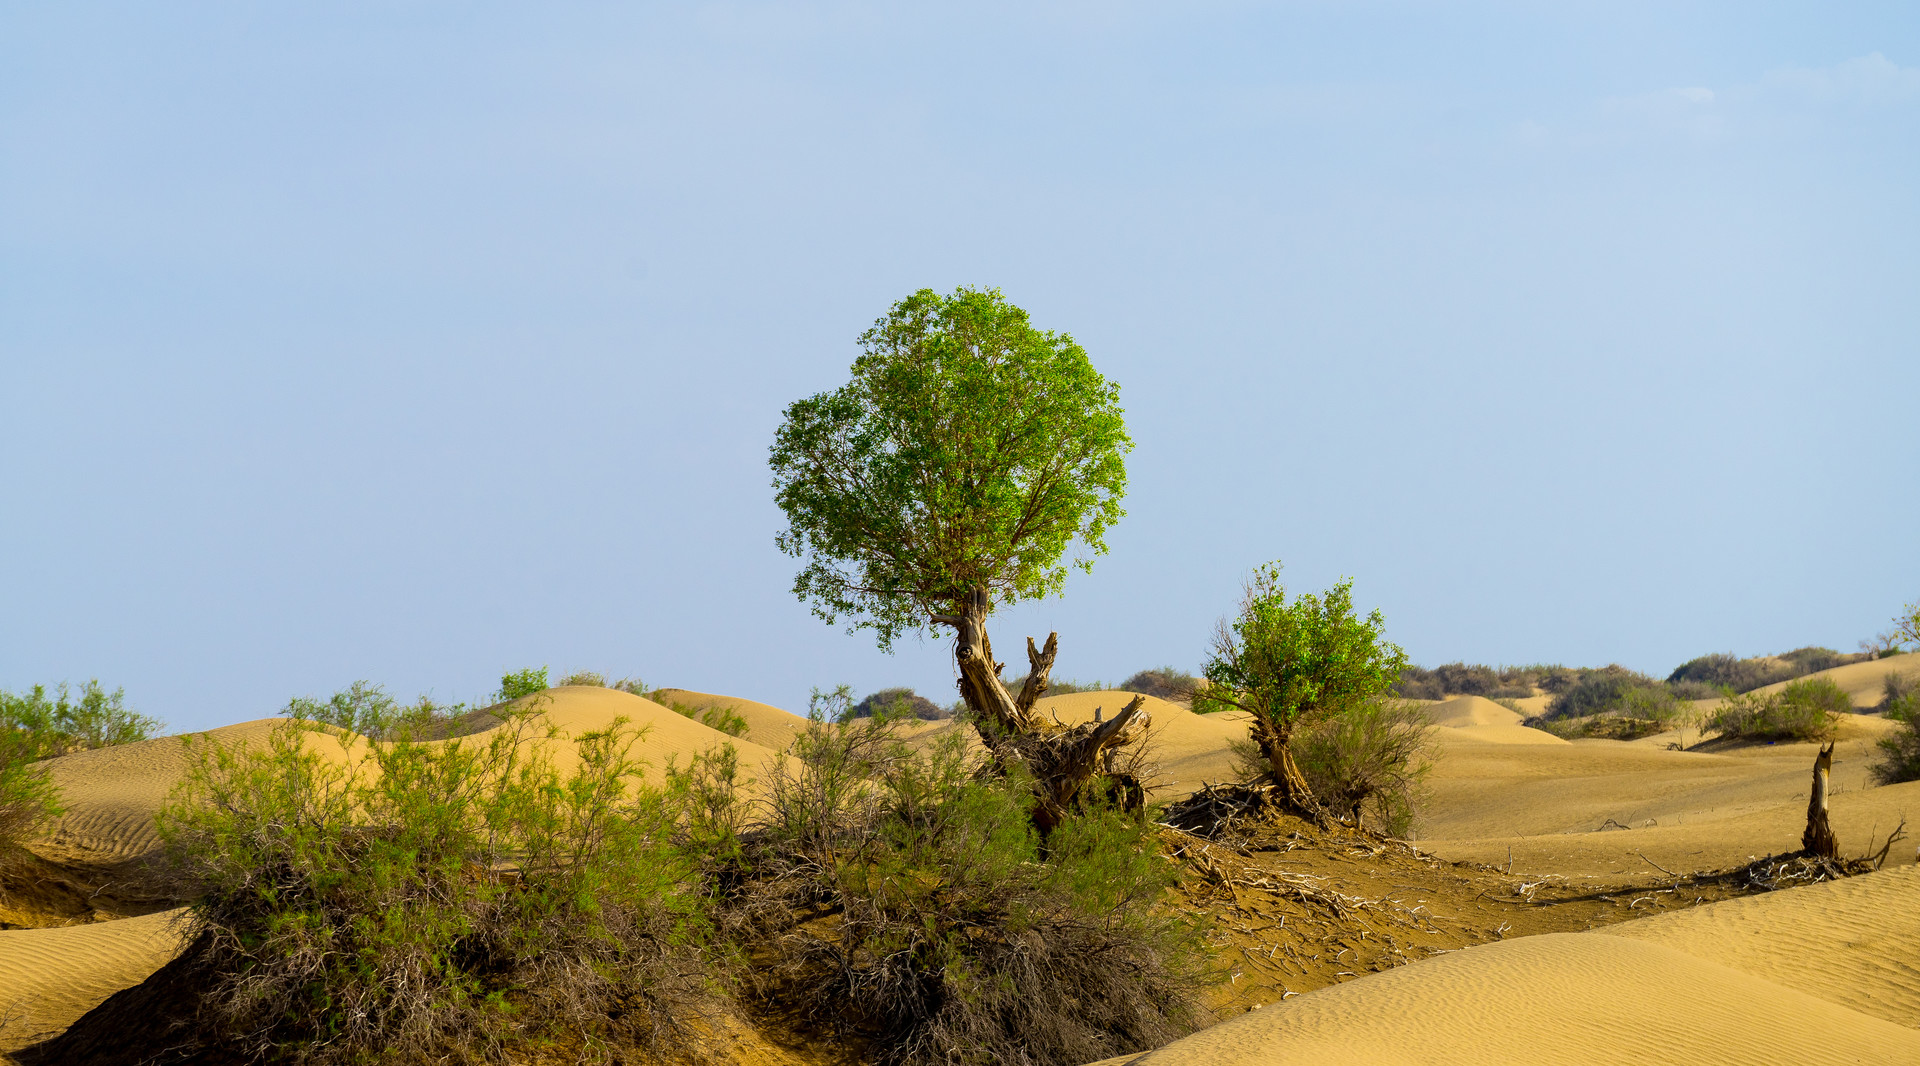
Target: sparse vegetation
(1804,710)
(1165,682)
(371,902)
(1463,679)
(1722,670)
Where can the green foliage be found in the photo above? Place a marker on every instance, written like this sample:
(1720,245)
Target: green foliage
(1288,662)
(1906,626)
(1640,710)
(584,677)
(522,683)
(431,901)
(1900,752)
(959,938)
(51,726)
(366,709)
(28,797)
(1370,761)
(35,726)
(969,450)
(1803,710)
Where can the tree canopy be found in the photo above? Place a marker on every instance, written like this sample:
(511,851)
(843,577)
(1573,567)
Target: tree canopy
(969,451)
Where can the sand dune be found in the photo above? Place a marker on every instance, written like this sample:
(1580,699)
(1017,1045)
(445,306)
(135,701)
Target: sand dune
(1862,681)
(112,794)
(1556,998)
(50,977)
(1854,942)
(767,725)
(1824,974)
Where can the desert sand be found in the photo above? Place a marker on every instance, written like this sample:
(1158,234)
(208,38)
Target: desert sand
(1826,973)
(1709,985)
(50,977)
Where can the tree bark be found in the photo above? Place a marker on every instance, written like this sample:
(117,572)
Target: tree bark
(1818,837)
(1276,747)
(1062,760)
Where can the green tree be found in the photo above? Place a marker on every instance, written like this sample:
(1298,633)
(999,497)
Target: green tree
(1290,663)
(968,463)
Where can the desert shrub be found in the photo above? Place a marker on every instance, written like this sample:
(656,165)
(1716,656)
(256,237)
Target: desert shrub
(1369,761)
(35,726)
(585,677)
(1820,693)
(1464,679)
(899,703)
(1693,690)
(1900,752)
(1059,686)
(1722,670)
(365,708)
(1165,682)
(1804,710)
(721,716)
(962,935)
(28,797)
(1895,687)
(1607,689)
(50,726)
(433,901)
(522,683)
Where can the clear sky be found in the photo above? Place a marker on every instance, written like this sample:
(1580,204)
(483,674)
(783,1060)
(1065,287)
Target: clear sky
(417,342)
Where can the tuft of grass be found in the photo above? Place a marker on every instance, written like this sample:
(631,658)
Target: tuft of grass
(1808,709)
(434,901)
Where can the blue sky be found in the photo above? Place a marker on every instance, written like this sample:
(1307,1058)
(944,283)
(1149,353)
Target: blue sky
(418,342)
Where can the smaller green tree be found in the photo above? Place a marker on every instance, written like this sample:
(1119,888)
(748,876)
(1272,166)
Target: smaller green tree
(1290,663)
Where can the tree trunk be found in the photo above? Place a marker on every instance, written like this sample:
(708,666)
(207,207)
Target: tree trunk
(1062,760)
(1276,747)
(1818,838)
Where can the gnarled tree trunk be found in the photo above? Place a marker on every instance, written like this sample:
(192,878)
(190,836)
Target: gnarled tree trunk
(1062,760)
(1818,837)
(1276,747)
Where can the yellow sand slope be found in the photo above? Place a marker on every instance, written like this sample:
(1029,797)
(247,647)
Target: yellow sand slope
(767,725)
(112,794)
(50,977)
(1702,986)
(1863,682)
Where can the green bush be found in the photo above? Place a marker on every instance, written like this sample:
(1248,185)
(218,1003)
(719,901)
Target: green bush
(962,935)
(1900,752)
(522,683)
(35,726)
(1609,689)
(60,724)
(28,797)
(433,901)
(1370,760)
(584,677)
(1803,710)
